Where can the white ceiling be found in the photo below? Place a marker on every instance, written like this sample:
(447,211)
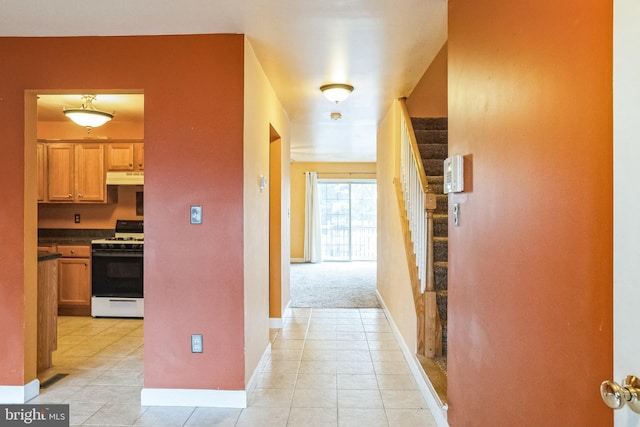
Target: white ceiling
(381,47)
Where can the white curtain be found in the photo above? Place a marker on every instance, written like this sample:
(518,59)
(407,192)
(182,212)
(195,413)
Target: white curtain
(312,224)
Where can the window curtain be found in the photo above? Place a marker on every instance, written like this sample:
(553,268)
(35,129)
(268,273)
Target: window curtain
(312,223)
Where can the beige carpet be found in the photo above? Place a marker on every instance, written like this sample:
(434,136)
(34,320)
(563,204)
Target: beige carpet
(334,285)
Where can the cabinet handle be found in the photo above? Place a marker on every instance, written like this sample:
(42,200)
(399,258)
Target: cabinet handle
(73,251)
(70,195)
(130,164)
(79,195)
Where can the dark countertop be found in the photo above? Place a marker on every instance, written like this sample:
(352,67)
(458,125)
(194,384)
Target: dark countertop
(64,241)
(46,256)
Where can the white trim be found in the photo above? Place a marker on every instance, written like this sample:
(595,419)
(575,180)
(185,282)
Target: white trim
(17,394)
(193,397)
(296,260)
(253,381)
(275,323)
(438,409)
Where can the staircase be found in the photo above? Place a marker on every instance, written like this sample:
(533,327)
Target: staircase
(431,135)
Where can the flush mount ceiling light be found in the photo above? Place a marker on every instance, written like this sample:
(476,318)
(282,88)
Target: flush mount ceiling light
(335,116)
(87,115)
(336,92)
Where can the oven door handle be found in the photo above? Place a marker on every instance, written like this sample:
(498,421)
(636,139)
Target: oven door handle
(116,254)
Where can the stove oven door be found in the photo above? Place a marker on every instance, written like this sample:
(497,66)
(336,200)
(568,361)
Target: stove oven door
(116,274)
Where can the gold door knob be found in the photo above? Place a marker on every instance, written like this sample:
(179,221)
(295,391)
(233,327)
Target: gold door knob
(615,395)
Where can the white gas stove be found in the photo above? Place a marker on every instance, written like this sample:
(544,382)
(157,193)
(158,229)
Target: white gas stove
(117,275)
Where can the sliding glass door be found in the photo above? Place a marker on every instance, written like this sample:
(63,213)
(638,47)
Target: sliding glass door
(348,212)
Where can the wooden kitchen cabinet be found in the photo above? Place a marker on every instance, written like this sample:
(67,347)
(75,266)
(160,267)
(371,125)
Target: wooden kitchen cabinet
(75,173)
(47,308)
(74,280)
(125,156)
(41,167)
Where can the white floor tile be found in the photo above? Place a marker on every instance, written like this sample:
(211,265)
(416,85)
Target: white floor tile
(327,368)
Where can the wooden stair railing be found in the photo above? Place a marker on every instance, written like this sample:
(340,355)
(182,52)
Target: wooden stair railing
(417,205)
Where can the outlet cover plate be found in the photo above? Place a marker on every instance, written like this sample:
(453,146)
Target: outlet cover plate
(196,343)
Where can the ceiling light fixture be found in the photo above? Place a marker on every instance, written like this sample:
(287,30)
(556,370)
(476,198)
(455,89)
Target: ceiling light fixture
(335,116)
(87,115)
(336,92)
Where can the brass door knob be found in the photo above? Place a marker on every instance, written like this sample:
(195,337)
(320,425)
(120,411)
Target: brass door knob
(615,396)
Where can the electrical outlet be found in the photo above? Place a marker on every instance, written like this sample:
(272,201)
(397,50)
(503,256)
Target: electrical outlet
(76,218)
(196,343)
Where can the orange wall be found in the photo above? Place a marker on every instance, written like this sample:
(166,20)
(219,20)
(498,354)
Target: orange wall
(530,267)
(193,88)
(429,97)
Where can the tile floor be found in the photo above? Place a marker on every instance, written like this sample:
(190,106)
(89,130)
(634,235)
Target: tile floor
(328,367)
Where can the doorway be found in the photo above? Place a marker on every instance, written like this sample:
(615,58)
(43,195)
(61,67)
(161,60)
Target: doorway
(68,227)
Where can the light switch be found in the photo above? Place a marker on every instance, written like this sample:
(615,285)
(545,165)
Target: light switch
(196,214)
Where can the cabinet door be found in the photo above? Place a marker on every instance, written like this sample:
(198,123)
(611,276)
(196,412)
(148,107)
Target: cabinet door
(90,177)
(41,166)
(120,157)
(139,157)
(74,281)
(60,172)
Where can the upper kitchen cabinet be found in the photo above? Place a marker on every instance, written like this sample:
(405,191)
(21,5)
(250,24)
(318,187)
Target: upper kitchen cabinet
(125,156)
(75,173)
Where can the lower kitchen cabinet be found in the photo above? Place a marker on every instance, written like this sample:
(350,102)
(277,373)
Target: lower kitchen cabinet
(74,281)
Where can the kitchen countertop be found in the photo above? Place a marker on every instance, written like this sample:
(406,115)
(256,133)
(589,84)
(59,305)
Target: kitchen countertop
(46,256)
(64,241)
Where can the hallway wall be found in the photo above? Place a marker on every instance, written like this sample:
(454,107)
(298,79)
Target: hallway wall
(194,275)
(530,266)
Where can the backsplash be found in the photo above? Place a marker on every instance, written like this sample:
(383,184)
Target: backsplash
(59,235)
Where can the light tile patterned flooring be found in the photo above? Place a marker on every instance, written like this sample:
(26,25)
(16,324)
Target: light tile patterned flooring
(328,367)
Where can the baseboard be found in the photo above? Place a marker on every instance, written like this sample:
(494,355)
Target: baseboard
(193,397)
(255,377)
(18,394)
(438,409)
(296,260)
(275,323)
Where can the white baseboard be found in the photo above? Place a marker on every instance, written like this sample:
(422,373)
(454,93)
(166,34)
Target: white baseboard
(253,381)
(18,394)
(275,323)
(438,409)
(296,260)
(193,397)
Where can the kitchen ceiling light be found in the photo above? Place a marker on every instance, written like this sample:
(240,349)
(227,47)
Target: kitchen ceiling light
(87,115)
(336,92)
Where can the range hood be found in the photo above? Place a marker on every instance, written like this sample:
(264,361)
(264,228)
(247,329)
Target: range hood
(125,178)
